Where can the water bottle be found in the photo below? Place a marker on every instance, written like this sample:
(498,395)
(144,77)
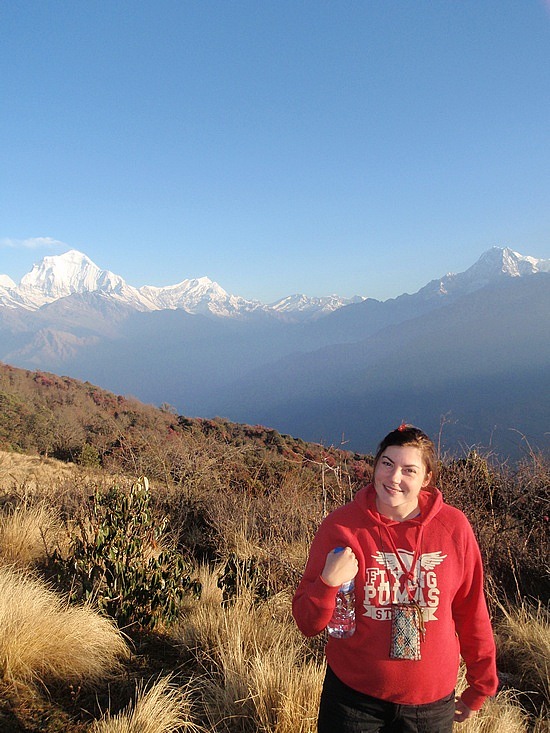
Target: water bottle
(342,623)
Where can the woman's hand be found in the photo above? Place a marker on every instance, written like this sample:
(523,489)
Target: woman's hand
(462,711)
(340,567)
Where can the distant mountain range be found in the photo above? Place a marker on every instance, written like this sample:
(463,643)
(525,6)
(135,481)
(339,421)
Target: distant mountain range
(471,350)
(73,273)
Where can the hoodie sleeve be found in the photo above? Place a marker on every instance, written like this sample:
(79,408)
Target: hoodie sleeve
(473,626)
(313,602)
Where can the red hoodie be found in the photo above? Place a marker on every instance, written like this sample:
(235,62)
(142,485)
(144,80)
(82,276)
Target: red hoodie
(450,592)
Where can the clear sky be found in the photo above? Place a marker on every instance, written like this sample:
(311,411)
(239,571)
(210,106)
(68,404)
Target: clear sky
(275,146)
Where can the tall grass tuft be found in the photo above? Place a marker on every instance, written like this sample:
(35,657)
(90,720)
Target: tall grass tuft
(42,639)
(501,714)
(257,674)
(162,708)
(523,648)
(26,531)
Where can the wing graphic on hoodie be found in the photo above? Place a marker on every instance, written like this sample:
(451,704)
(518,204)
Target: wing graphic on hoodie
(430,560)
(389,561)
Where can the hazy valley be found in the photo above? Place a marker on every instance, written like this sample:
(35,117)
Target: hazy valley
(471,349)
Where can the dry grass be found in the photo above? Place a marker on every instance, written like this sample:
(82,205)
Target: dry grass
(31,479)
(257,676)
(27,531)
(501,714)
(523,644)
(287,698)
(161,708)
(255,672)
(20,472)
(43,639)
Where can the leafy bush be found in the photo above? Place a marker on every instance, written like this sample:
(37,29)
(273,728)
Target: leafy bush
(115,559)
(88,456)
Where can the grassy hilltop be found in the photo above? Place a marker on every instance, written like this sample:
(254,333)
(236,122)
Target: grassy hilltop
(147,562)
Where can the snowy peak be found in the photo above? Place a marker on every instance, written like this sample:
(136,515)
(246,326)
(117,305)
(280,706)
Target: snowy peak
(8,293)
(199,295)
(494,264)
(302,307)
(7,282)
(73,272)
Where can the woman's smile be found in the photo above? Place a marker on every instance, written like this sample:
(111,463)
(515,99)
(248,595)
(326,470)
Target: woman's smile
(399,476)
(393,489)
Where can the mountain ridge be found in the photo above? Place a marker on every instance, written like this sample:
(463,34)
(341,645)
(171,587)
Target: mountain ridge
(418,370)
(73,272)
(298,372)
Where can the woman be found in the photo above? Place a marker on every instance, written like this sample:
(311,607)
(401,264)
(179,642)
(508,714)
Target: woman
(415,561)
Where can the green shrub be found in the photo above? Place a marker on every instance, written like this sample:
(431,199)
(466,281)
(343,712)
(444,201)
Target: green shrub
(115,559)
(88,456)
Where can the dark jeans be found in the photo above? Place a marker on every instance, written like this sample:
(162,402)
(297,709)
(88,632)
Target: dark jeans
(343,710)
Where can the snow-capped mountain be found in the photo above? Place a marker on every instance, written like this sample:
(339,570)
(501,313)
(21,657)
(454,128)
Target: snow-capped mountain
(60,276)
(199,295)
(9,295)
(310,308)
(6,282)
(72,273)
(494,264)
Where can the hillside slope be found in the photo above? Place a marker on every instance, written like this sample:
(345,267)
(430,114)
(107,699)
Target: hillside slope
(482,361)
(76,421)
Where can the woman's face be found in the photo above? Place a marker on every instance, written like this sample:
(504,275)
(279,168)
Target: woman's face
(399,476)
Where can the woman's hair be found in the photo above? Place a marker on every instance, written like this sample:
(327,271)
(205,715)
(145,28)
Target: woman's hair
(409,435)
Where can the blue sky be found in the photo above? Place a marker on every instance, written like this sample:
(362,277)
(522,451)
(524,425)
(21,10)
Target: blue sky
(352,147)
